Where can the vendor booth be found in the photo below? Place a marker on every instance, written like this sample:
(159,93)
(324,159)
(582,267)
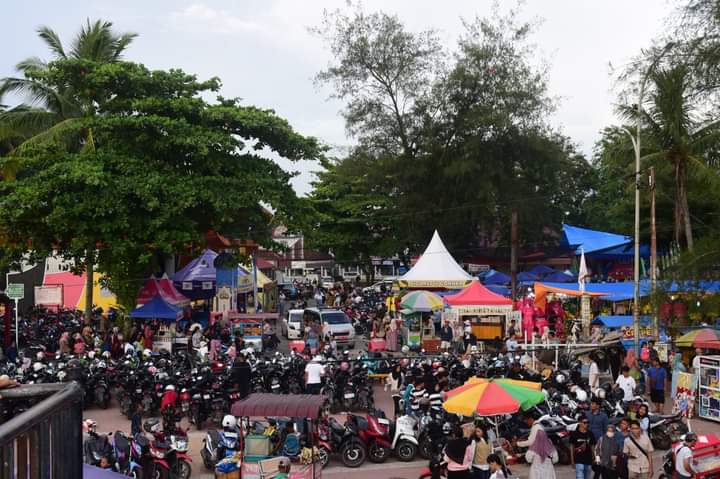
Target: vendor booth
(158,308)
(624,325)
(436,269)
(488,312)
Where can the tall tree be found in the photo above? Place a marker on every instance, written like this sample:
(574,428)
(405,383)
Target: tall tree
(167,167)
(679,134)
(51,114)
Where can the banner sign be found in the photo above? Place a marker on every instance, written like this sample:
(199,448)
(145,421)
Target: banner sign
(49,295)
(499,309)
(684,400)
(434,284)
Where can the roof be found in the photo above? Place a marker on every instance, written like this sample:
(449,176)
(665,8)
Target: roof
(436,267)
(476,295)
(264,404)
(611,291)
(157,308)
(165,288)
(592,241)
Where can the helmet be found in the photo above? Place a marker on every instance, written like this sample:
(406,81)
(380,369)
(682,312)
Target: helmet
(405,349)
(560,378)
(40,356)
(152,370)
(88,425)
(228,421)
(581,395)
(600,393)
(37,367)
(106,354)
(147,353)
(91,354)
(61,376)
(169,387)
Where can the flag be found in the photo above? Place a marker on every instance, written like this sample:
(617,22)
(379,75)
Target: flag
(583,272)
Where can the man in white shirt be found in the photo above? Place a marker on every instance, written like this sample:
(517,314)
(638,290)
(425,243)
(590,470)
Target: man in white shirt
(696,360)
(314,371)
(626,383)
(684,457)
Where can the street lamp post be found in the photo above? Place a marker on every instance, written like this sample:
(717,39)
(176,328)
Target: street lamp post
(636,146)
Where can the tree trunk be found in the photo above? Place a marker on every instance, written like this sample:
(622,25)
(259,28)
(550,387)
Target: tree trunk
(683,209)
(89,284)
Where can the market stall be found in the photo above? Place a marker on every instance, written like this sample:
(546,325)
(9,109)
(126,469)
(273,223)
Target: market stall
(489,313)
(158,308)
(417,309)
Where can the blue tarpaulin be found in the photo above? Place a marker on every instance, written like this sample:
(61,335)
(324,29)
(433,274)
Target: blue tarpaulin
(157,308)
(620,321)
(525,276)
(592,241)
(541,269)
(497,289)
(560,277)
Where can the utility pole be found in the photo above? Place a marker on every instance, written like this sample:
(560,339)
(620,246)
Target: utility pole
(653,252)
(513,252)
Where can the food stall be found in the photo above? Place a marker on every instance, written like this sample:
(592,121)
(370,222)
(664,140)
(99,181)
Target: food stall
(487,312)
(709,388)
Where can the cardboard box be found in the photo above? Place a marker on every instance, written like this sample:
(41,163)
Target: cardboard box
(228,475)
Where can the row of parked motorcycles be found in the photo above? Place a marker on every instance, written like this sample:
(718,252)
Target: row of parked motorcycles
(155,453)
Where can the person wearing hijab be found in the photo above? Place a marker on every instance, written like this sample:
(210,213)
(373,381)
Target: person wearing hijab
(459,454)
(541,456)
(677,367)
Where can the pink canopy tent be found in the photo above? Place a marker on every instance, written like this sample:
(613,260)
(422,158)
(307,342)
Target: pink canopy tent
(164,288)
(476,295)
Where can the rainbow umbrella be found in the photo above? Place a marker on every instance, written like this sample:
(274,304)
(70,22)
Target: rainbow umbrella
(492,397)
(700,338)
(421,301)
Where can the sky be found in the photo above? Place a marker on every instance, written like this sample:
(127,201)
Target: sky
(264,54)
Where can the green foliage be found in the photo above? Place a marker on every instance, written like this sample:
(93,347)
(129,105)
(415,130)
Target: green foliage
(167,167)
(455,147)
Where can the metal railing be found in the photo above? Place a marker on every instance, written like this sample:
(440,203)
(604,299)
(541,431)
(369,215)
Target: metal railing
(46,440)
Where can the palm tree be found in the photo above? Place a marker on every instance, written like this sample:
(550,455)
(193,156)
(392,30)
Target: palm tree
(49,114)
(677,134)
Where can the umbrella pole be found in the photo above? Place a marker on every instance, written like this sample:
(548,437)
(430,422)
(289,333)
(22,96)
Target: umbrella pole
(497,438)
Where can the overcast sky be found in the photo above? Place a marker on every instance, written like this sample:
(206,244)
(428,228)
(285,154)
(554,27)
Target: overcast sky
(263,53)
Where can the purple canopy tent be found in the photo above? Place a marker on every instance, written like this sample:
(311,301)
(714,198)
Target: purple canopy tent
(197,279)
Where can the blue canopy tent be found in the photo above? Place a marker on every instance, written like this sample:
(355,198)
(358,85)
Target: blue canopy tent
(541,270)
(599,244)
(197,279)
(157,308)
(560,277)
(525,277)
(496,277)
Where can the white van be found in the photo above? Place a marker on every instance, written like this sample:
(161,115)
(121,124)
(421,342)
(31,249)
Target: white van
(334,322)
(292,324)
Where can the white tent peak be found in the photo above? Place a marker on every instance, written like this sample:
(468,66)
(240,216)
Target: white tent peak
(436,264)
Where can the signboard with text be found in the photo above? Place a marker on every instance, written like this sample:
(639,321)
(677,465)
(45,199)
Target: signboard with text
(15,291)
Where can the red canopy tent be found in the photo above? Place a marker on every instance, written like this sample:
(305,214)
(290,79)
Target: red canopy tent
(477,295)
(487,312)
(164,288)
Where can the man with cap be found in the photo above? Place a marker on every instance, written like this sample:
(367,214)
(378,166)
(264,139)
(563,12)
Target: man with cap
(684,457)
(314,371)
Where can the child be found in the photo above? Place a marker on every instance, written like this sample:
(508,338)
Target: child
(497,469)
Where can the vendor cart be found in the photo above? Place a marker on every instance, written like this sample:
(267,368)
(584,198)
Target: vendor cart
(255,462)
(706,457)
(709,387)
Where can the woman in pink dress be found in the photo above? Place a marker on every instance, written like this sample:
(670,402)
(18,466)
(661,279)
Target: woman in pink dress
(391,337)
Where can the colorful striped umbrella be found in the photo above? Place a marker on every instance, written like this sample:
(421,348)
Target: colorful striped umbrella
(422,301)
(700,338)
(492,397)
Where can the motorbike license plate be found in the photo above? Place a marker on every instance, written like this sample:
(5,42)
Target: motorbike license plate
(275,386)
(349,395)
(138,391)
(206,396)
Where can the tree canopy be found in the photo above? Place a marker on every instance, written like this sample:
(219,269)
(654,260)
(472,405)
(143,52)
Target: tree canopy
(166,167)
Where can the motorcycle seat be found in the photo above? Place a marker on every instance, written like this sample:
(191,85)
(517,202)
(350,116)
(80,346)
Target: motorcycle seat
(214,436)
(121,441)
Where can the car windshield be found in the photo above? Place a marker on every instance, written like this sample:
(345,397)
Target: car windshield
(295,317)
(335,318)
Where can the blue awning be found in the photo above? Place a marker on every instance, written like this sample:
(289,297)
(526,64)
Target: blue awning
(620,321)
(592,241)
(157,308)
(496,277)
(611,291)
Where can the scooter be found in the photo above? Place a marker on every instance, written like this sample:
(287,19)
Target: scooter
(381,436)
(128,453)
(342,440)
(218,445)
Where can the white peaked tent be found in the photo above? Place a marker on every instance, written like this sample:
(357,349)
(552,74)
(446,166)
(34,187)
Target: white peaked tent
(436,268)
